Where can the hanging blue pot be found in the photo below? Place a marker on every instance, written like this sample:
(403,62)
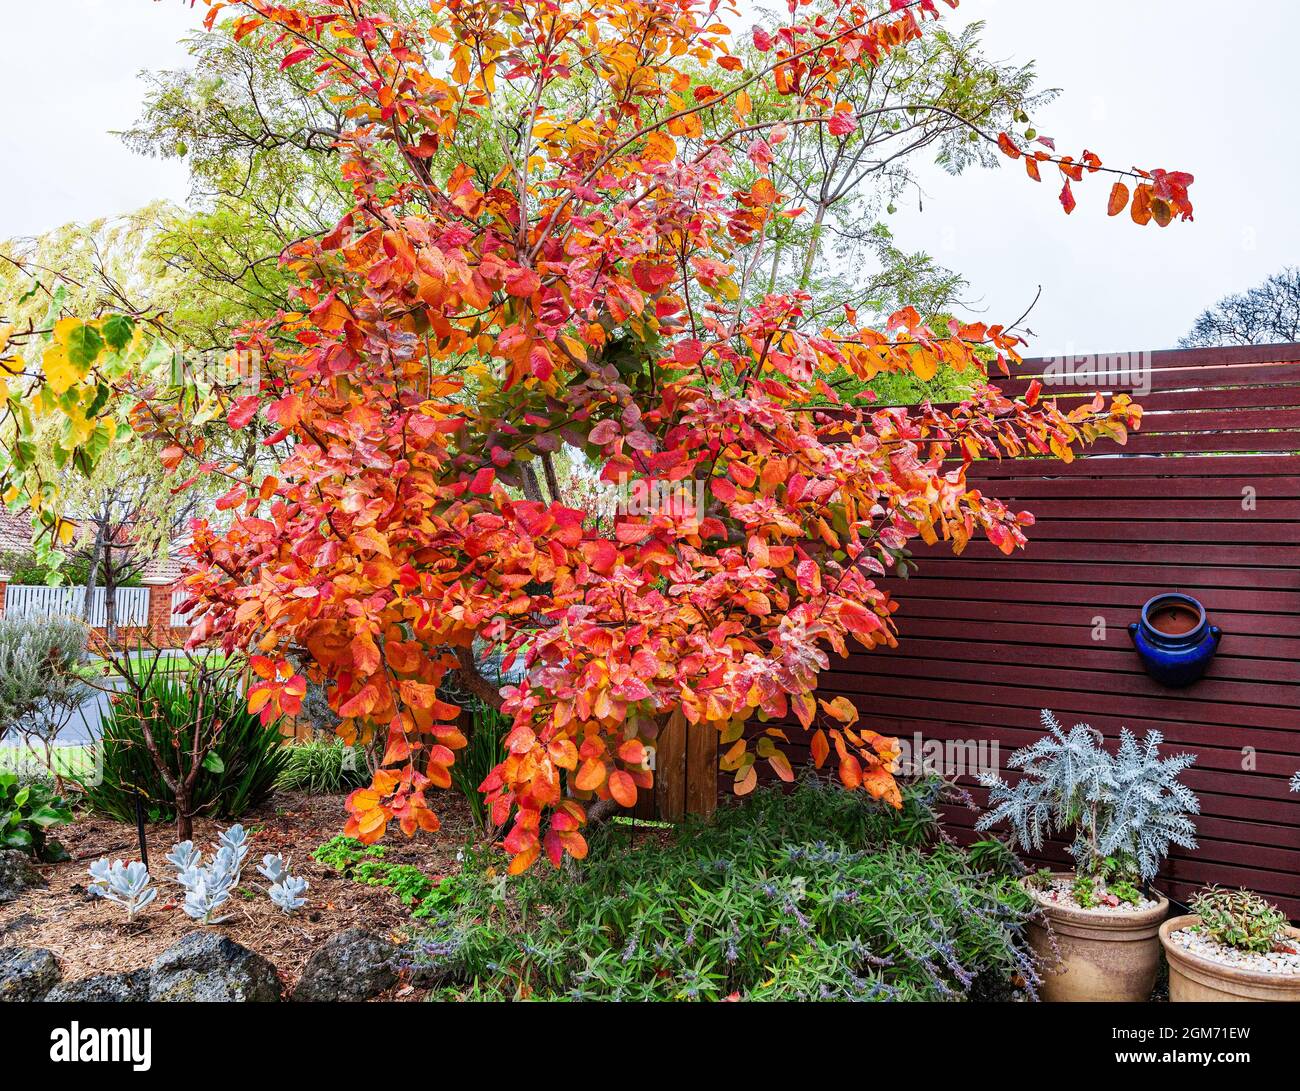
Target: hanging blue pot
(1174,639)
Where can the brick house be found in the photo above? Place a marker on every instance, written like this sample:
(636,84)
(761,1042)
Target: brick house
(144,611)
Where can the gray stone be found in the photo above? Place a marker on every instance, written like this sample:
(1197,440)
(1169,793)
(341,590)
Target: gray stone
(17,873)
(350,965)
(27,973)
(210,967)
(124,988)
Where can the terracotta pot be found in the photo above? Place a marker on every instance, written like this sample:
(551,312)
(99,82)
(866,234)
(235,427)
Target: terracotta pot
(1100,955)
(1193,978)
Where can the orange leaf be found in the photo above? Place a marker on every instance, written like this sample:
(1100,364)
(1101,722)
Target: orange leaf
(1118,199)
(622,788)
(820,748)
(591,776)
(850,771)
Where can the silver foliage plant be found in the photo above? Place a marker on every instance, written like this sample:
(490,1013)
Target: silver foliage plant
(126,884)
(287,893)
(286,890)
(1128,807)
(207,887)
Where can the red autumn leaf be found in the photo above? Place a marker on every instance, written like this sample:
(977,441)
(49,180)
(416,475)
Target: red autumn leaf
(1067,198)
(243,410)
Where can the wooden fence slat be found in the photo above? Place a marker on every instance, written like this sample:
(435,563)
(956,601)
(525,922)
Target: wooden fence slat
(670,769)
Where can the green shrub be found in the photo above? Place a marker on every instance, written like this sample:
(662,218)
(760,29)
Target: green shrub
(486,750)
(427,896)
(27,811)
(1240,919)
(815,894)
(323,768)
(238,774)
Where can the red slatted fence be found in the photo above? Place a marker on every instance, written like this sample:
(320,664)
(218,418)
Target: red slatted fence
(987,641)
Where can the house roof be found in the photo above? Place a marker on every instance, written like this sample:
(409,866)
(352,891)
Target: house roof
(15,532)
(16,537)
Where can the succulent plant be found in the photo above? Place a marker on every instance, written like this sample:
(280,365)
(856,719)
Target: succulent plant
(236,840)
(127,884)
(1240,919)
(208,887)
(184,857)
(287,893)
(273,867)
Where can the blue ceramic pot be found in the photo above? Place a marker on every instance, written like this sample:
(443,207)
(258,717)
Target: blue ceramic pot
(1174,639)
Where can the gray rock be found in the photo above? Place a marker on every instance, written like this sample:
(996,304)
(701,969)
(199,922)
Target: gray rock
(124,988)
(27,973)
(210,967)
(17,873)
(350,965)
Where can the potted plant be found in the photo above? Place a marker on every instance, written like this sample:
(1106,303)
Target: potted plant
(1098,935)
(1234,945)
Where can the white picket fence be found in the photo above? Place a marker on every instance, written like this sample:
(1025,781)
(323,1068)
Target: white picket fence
(23,600)
(180,618)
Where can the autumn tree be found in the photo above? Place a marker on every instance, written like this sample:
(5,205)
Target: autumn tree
(596,292)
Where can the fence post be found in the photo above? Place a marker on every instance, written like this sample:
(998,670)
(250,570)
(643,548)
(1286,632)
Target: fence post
(159,620)
(5,577)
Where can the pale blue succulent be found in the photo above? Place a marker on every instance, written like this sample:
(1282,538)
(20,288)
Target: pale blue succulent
(236,840)
(273,867)
(126,884)
(1295,781)
(287,893)
(204,897)
(184,857)
(208,887)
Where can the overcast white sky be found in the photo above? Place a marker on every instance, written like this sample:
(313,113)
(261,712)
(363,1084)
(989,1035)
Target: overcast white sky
(1195,85)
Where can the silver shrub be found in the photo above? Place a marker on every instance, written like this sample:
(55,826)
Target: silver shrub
(1129,806)
(126,884)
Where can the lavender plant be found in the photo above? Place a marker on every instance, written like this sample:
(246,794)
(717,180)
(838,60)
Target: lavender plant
(1126,808)
(126,884)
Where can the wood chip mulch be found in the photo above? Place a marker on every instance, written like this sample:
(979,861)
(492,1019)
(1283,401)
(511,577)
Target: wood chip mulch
(89,935)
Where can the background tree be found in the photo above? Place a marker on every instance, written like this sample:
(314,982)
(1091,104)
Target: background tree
(1264,315)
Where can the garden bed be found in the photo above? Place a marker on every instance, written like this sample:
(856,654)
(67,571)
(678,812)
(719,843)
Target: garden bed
(91,936)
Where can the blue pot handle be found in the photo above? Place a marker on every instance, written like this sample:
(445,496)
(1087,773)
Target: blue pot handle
(1133,630)
(1217,633)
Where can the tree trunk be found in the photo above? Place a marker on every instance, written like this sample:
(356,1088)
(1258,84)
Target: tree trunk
(88,602)
(110,594)
(814,244)
(184,820)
